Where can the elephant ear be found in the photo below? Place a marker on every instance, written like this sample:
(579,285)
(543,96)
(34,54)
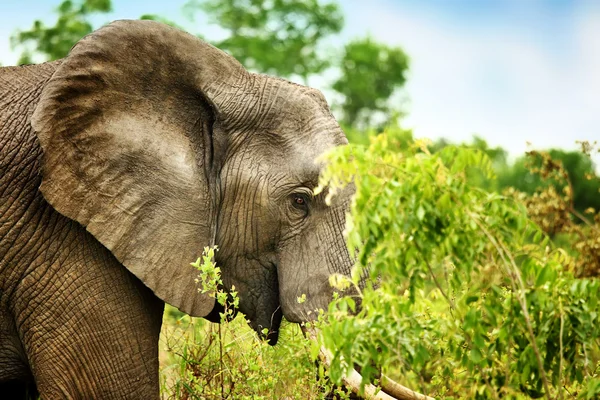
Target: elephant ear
(129,127)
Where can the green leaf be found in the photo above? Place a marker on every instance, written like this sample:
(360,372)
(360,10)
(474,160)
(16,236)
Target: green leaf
(420,213)
(475,355)
(546,274)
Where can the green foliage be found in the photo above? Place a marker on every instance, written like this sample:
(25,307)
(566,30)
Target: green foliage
(471,300)
(158,18)
(54,42)
(522,176)
(200,359)
(580,170)
(209,279)
(553,206)
(371,72)
(280,37)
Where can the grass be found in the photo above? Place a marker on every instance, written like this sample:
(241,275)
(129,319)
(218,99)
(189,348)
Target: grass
(202,360)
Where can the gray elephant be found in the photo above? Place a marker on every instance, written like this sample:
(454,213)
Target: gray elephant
(118,164)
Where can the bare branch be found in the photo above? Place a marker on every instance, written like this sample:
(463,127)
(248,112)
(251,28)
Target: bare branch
(391,389)
(400,392)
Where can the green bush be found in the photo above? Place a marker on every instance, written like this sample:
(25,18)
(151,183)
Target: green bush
(203,360)
(468,297)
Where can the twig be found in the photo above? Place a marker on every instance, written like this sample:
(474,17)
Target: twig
(572,203)
(452,305)
(221,361)
(560,342)
(583,218)
(391,389)
(516,278)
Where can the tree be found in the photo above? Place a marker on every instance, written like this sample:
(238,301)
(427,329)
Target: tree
(371,72)
(280,37)
(580,170)
(521,175)
(52,43)
(497,155)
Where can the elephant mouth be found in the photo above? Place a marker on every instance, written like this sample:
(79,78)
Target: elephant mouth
(262,312)
(218,314)
(272,335)
(267,314)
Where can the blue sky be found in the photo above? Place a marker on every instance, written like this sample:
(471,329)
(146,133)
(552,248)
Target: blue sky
(511,71)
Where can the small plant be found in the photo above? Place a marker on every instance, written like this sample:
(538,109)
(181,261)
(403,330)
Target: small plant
(209,279)
(202,360)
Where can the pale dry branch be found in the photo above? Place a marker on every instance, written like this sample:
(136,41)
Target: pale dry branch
(390,389)
(399,391)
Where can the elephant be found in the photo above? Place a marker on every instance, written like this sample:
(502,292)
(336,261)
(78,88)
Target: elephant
(118,164)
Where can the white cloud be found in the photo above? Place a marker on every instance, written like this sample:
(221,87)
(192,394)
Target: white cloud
(7,57)
(501,82)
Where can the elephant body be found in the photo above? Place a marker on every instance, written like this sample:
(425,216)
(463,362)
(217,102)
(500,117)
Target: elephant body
(118,164)
(48,296)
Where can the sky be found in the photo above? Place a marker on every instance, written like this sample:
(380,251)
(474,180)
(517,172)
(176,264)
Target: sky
(510,71)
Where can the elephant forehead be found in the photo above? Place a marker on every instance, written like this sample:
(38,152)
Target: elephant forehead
(309,122)
(313,146)
(296,112)
(270,173)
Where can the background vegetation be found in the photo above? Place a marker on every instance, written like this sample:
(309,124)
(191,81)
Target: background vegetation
(486,267)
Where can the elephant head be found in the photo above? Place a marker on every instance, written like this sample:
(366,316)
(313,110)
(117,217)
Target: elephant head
(160,144)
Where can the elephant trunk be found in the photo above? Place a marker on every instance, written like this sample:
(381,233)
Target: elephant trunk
(307,264)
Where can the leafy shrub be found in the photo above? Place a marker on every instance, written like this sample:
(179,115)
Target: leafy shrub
(552,207)
(203,360)
(469,297)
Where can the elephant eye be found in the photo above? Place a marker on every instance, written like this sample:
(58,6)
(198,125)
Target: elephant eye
(300,201)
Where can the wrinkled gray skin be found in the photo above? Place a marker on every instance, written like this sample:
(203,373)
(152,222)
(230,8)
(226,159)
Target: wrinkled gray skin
(118,164)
